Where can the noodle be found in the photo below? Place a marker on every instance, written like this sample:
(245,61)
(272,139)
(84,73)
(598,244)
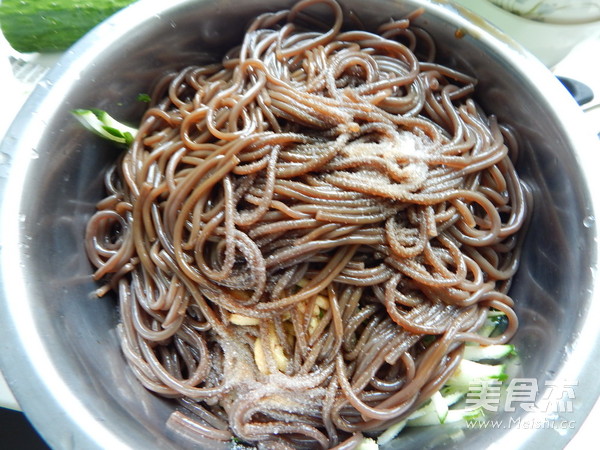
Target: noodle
(304,237)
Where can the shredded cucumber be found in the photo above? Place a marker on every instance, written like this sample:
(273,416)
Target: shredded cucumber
(469,372)
(367,444)
(488,352)
(101,123)
(479,363)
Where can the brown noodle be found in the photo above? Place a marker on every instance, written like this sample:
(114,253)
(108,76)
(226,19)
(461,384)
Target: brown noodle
(304,236)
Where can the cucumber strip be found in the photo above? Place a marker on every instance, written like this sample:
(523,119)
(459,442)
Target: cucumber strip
(440,406)
(452,396)
(487,329)
(101,123)
(426,408)
(439,403)
(456,415)
(428,419)
(431,418)
(391,432)
(471,414)
(367,444)
(481,352)
(453,416)
(468,372)
(496,322)
(436,405)
(495,313)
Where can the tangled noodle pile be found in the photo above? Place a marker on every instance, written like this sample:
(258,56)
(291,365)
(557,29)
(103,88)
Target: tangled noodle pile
(304,236)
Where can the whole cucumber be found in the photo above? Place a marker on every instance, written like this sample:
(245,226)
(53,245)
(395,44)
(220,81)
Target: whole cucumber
(52,25)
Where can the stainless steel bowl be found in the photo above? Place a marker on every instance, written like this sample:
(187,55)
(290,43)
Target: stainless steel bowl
(58,348)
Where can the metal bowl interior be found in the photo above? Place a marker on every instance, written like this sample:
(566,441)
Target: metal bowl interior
(58,348)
